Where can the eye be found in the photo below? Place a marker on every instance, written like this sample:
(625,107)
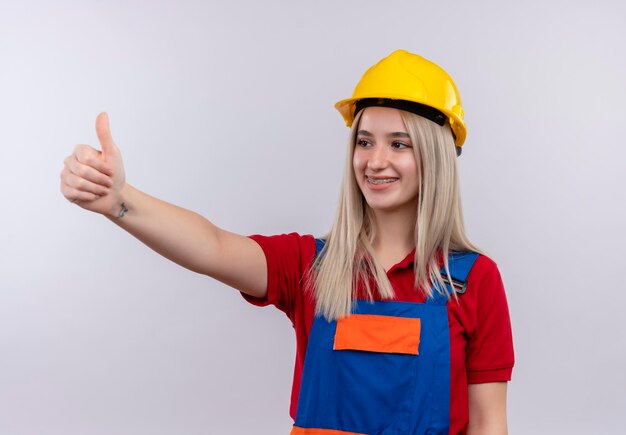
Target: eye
(363,143)
(400,145)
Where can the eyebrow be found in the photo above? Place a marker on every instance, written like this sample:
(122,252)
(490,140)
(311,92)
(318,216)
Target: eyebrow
(401,134)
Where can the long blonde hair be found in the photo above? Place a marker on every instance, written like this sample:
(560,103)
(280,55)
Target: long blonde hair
(348,257)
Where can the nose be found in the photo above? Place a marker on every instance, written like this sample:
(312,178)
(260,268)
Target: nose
(378,158)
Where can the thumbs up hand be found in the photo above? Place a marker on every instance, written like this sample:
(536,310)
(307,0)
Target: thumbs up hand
(94,179)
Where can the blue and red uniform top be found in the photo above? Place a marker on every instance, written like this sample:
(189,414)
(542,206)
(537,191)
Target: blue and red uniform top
(480,347)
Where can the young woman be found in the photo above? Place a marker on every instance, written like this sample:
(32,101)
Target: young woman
(402,325)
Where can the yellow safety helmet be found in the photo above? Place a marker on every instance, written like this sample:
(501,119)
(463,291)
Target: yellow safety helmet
(409,82)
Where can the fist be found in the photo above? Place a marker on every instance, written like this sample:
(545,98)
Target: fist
(93,179)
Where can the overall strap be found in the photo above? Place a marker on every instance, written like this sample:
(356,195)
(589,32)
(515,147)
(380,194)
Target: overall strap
(460,264)
(319,244)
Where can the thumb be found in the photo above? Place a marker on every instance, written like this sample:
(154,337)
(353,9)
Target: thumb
(109,148)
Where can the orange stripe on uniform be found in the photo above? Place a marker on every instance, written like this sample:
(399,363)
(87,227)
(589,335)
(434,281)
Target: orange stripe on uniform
(303,431)
(373,333)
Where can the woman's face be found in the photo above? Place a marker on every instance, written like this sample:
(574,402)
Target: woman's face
(384,162)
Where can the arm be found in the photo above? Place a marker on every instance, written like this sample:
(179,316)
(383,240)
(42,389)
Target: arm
(489,355)
(487,409)
(95,181)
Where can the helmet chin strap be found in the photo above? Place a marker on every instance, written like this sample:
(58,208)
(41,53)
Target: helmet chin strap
(408,106)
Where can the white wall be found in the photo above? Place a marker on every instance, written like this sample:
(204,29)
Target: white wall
(226,108)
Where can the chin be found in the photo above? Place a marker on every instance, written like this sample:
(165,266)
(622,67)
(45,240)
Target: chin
(385,207)
(391,206)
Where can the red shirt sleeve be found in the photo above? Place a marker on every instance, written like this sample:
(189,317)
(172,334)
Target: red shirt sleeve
(288,258)
(489,356)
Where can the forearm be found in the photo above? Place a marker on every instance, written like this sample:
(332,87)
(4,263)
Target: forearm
(492,428)
(96,181)
(487,409)
(180,235)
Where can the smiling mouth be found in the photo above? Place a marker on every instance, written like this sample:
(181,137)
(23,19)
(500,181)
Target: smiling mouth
(380,180)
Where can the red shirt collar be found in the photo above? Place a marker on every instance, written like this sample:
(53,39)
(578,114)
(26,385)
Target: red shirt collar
(409,260)
(405,263)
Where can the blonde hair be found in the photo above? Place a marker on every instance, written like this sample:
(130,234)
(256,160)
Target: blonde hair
(348,260)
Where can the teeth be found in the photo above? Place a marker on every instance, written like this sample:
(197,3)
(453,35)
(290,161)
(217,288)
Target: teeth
(382,181)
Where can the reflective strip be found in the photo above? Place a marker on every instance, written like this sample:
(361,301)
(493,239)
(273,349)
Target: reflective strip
(308,431)
(374,333)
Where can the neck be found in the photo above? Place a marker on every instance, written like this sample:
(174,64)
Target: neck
(394,231)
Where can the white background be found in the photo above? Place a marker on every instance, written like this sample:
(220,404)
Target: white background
(226,108)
